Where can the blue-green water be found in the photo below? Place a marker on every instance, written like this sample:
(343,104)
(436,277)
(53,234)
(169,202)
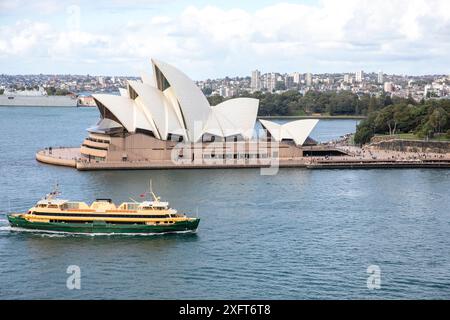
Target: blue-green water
(300,234)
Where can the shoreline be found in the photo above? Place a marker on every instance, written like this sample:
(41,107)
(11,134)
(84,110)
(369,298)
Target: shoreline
(70,157)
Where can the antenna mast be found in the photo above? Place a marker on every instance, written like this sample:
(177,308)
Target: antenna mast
(155,198)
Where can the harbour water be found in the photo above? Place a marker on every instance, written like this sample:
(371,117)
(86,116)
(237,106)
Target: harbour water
(301,234)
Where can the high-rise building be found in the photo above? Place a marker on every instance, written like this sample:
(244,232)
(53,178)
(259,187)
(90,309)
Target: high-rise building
(272,82)
(380,77)
(388,87)
(348,78)
(359,75)
(256,80)
(288,82)
(308,79)
(222,91)
(296,77)
(329,80)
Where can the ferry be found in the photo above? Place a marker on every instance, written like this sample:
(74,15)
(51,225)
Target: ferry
(103,216)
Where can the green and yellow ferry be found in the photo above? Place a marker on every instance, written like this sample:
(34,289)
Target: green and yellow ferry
(103,217)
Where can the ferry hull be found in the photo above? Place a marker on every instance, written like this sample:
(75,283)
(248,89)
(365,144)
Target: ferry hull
(107,228)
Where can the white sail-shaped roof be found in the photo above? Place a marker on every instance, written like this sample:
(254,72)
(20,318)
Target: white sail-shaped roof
(158,109)
(213,126)
(147,79)
(170,96)
(237,116)
(121,107)
(298,130)
(273,128)
(169,103)
(126,111)
(194,105)
(141,120)
(105,124)
(123,92)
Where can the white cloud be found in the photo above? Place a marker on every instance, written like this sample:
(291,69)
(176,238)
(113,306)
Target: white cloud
(41,6)
(329,36)
(21,38)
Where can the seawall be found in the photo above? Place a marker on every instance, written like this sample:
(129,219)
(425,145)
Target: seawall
(411,145)
(61,157)
(71,157)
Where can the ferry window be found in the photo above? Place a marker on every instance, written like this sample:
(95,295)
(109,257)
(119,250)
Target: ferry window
(132,206)
(54,206)
(73,205)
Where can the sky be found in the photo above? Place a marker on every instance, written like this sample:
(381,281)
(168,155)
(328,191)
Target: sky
(212,39)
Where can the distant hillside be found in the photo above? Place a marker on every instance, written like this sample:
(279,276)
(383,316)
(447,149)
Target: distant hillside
(293,103)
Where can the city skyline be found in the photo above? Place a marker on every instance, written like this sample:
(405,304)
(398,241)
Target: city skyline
(214,40)
(235,76)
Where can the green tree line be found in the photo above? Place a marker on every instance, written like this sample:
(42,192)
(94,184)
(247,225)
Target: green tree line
(52,91)
(293,103)
(425,120)
(385,115)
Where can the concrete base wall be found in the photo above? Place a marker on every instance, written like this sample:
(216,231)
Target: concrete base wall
(412,146)
(43,156)
(141,147)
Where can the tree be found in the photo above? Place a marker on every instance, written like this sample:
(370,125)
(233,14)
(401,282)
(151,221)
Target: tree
(280,86)
(207,91)
(372,105)
(363,134)
(387,100)
(438,119)
(423,119)
(215,99)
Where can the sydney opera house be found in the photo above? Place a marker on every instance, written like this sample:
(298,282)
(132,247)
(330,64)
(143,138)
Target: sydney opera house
(166,119)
